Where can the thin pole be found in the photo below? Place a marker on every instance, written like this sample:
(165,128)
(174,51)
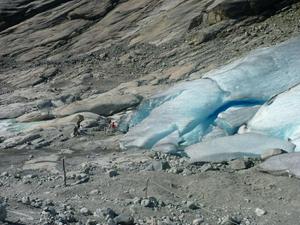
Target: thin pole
(64,170)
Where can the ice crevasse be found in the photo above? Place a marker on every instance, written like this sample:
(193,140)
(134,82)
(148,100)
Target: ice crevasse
(223,101)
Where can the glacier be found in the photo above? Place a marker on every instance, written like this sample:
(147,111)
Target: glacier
(279,117)
(220,103)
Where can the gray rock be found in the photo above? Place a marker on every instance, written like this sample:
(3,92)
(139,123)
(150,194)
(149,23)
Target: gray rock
(104,104)
(3,212)
(35,116)
(233,9)
(271,152)
(198,221)
(94,192)
(124,220)
(85,211)
(20,140)
(159,165)
(192,205)
(4,174)
(91,222)
(14,110)
(150,202)
(240,164)
(105,213)
(206,167)
(44,103)
(260,212)
(284,164)
(26,200)
(112,173)
(228,220)
(235,147)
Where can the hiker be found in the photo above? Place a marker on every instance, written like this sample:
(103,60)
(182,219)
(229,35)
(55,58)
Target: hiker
(111,126)
(79,118)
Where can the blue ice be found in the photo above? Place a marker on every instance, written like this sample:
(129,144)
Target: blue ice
(188,112)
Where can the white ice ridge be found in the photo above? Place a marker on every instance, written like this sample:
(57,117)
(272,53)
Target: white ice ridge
(279,117)
(187,112)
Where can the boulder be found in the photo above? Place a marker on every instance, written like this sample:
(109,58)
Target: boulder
(14,110)
(272,152)
(68,120)
(235,147)
(285,164)
(20,140)
(233,9)
(103,104)
(35,116)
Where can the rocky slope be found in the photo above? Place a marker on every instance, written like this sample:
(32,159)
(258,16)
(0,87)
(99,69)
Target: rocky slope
(102,58)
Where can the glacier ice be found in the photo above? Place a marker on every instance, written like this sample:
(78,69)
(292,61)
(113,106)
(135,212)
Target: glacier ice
(201,97)
(231,119)
(198,110)
(279,117)
(235,146)
(263,73)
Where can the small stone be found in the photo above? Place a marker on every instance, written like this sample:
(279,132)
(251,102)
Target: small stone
(4,174)
(206,167)
(228,220)
(159,165)
(198,221)
(260,212)
(86,212)
(94,192)
(150,202)
(239,164)
(272,152)
(124,220)
(175,170)
(192,205)
(26,200)
(91,222)
(112,173)
(105,213)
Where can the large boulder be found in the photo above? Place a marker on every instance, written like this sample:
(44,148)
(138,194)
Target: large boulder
(14,110)
(233,9)
(35,116)
(103,104)
(285,164)
(66,121)
(236,146)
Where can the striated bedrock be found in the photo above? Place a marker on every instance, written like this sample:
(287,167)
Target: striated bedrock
(184,114)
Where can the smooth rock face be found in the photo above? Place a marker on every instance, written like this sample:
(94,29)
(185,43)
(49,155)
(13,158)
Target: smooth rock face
(14,110)
(68,120)
(19,140)
(35,116)
(236,146)
(283,164)
(104,104)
